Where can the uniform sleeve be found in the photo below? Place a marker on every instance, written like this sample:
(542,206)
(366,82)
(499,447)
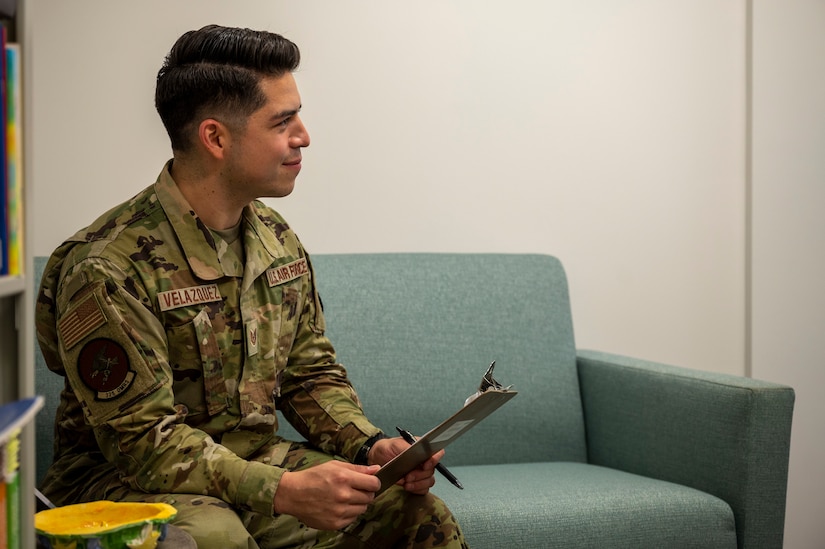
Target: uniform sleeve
(317,397)
(115,355)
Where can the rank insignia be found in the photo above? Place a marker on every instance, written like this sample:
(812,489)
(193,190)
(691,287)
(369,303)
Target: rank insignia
(103,366)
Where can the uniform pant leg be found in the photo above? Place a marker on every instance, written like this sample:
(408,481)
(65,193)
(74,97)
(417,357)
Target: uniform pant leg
(396,518)
(211,521)
(411,521)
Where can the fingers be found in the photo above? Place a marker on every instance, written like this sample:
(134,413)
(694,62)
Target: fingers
(386,449)
(434,459)
(416,485)
(417,481)
(349,481)
(354,493)
(328,496)
(421,479)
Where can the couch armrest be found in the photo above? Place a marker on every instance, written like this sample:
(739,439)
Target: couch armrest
(725,435)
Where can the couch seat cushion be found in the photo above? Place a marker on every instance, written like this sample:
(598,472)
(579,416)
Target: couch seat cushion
(575,505)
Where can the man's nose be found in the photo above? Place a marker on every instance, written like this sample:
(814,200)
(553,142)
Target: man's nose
(301,137)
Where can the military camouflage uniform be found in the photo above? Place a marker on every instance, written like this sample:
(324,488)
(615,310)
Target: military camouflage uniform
(176,354)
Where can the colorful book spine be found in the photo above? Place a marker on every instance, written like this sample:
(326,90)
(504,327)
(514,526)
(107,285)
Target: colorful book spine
(4,207)
(13,417)
(11,483)
(14,159)
(3,520)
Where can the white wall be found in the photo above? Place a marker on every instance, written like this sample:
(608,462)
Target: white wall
(608,134)
(611,134)
(788,226)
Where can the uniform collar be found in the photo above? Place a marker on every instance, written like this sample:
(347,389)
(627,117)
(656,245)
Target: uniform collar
(260,239)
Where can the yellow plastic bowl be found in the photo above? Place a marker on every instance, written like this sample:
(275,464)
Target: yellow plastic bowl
(103,525)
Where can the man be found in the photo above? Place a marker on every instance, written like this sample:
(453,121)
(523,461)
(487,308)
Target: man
(183,318)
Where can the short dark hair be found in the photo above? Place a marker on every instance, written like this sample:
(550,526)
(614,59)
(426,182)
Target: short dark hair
(215,71)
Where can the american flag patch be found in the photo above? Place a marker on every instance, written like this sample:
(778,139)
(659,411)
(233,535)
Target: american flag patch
(80,322)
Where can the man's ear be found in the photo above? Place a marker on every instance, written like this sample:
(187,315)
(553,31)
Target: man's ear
(214,137)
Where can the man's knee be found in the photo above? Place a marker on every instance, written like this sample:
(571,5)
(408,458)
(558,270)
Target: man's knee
(410,520)
(211,521)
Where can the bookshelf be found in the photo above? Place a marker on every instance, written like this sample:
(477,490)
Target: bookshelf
(17,295)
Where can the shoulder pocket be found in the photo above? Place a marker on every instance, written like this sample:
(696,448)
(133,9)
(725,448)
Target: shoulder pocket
(106,367)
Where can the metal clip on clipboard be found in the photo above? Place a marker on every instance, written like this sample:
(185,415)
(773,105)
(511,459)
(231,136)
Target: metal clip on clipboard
(487,382)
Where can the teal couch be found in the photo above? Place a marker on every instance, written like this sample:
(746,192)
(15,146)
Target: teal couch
(596,450)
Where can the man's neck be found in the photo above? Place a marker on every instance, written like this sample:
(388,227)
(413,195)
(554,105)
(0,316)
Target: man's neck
(208,198)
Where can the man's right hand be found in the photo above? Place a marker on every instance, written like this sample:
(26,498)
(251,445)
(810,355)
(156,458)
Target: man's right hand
(328,496)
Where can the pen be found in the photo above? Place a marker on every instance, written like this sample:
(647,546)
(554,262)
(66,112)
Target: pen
(408,436)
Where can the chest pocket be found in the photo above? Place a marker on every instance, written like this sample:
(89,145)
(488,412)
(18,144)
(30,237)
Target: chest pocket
(276,326)
(217,399)
(194,356)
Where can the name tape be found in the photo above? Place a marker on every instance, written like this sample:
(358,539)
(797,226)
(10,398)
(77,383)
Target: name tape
(172,299)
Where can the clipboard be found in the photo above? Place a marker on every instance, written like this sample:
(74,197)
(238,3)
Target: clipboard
(489,398)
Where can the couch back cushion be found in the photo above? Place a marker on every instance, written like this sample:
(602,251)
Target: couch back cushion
(48,385)
(417,332)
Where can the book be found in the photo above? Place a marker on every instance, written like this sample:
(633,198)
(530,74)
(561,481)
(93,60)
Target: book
(4,211)
(13,417)
(14,159)
(3,510)
(11,486)
(8,8)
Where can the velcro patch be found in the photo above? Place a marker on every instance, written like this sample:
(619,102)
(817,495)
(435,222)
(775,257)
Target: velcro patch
(80,321)
(172,299)
(285,273)
(103,365)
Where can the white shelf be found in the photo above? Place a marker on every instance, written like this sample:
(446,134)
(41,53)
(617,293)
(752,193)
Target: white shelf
(12,285)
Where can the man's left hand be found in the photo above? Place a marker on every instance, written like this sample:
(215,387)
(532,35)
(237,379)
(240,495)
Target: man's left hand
(419,480)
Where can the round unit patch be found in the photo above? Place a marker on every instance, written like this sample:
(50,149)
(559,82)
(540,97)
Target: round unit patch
(103,366)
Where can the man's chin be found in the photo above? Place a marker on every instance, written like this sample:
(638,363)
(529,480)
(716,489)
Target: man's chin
(281,190)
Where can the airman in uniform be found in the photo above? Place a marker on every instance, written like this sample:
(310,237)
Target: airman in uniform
(185,317)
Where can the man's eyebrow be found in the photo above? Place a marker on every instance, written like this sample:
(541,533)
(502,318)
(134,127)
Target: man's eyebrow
(286,113)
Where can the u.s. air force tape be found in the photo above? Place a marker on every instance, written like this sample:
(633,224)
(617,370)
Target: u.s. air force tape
(285,273)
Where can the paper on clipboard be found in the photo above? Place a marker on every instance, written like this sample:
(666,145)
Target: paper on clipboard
(478,406)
